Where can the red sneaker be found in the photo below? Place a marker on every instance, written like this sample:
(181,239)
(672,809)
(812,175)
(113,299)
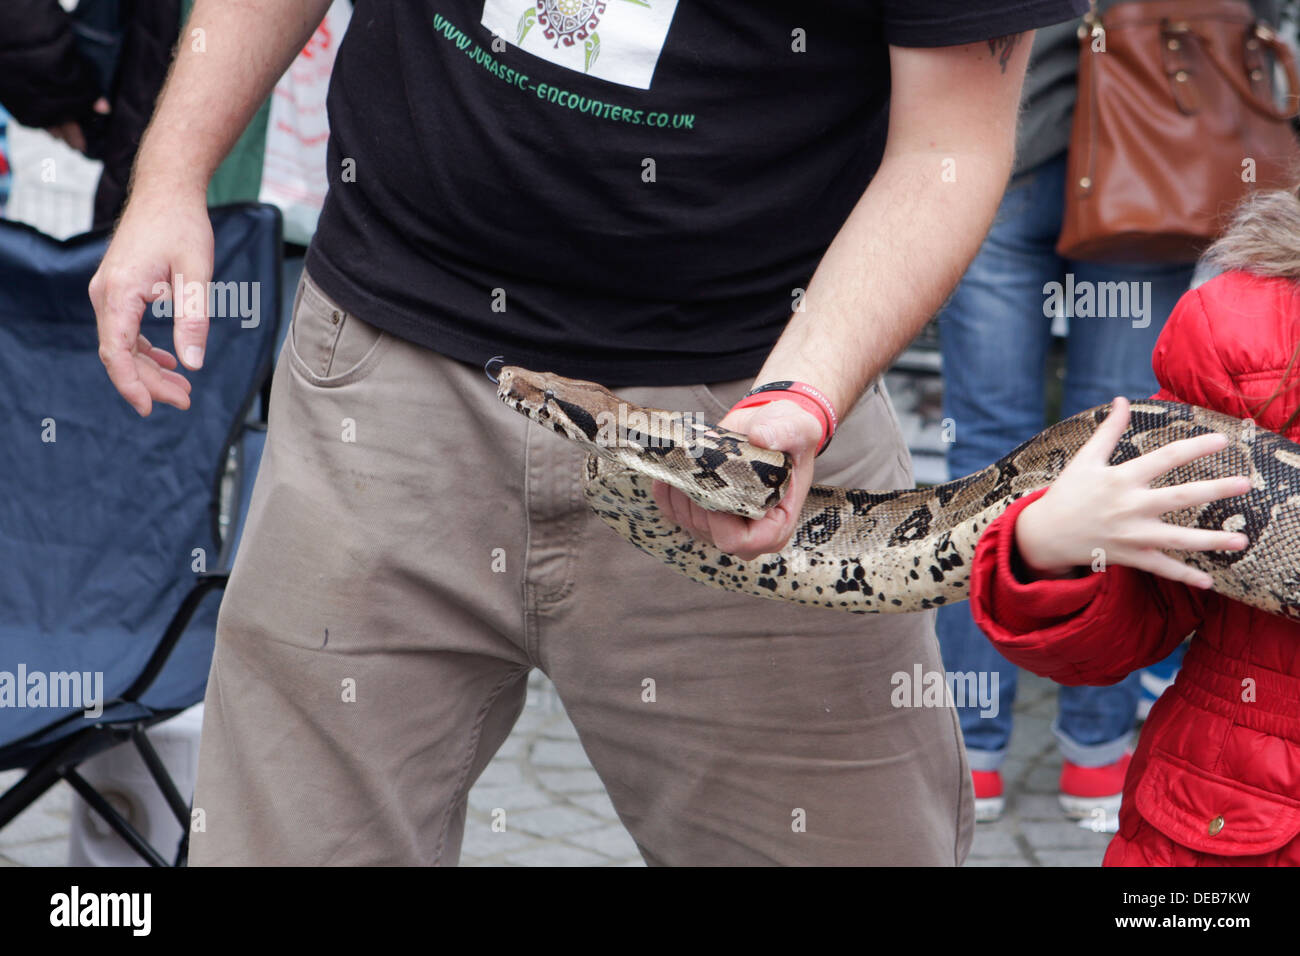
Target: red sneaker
(989,802)
(1086,790)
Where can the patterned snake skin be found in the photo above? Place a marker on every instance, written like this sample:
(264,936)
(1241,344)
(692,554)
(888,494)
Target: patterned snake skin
(906,550)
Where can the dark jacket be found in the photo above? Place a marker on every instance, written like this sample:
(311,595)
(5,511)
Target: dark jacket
(44,79)
(50,75)
(149,31)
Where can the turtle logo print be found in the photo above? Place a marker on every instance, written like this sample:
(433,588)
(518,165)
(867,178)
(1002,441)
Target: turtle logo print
(566,20)
(614,40)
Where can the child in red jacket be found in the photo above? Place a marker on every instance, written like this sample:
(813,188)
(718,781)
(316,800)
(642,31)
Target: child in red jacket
(1216,776)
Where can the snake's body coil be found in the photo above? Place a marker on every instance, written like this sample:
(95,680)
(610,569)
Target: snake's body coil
(904,550)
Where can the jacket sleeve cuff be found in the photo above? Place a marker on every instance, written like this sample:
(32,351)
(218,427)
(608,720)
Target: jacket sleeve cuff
(1006,606)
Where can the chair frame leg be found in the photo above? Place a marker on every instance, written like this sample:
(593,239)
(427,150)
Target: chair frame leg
(61,764)
(114,819)
(161,777)
(48,771)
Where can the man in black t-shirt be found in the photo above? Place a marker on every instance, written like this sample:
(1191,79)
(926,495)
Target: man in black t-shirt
(678,199)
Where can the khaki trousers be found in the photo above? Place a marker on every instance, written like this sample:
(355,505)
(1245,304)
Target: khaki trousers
(414,548)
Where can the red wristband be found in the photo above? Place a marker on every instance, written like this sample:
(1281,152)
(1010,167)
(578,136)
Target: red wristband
(804,395)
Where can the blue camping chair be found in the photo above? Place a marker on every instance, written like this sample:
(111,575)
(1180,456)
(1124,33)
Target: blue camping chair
(112,554)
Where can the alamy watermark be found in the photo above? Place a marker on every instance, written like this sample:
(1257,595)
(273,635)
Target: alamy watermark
(634,427)
(1099,300)
(216,300)
(923,688)
(57,689)
(133,911)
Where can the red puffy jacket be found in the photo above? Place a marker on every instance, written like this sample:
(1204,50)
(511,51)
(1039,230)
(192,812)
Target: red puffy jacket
(1215,780)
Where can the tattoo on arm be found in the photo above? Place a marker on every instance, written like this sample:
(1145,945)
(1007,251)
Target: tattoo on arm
(1003,47)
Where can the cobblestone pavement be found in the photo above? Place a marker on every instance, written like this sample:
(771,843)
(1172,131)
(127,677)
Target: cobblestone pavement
(557,813)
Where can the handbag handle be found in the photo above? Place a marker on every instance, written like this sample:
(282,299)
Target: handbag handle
(1280,51)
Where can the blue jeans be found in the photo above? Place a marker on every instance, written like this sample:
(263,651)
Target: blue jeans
(995,339)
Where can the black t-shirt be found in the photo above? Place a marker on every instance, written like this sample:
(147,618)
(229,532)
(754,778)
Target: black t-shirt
(629,191)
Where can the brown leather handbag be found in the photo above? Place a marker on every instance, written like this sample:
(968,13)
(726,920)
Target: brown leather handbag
(1175,122)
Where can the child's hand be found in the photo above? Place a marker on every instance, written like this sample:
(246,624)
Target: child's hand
(1096,505)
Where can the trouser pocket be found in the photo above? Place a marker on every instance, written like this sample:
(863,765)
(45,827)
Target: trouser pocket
(329,345)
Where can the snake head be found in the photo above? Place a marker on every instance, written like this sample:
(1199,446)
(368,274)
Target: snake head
(566,406)
(718,468)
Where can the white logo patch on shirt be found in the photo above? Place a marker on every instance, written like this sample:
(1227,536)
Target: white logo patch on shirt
(614,40)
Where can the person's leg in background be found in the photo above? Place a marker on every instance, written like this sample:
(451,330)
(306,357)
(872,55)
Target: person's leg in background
(1109,354)
(994,339)
(1157,679)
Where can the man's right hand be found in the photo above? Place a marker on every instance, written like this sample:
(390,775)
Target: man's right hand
(163,239)
(210,96)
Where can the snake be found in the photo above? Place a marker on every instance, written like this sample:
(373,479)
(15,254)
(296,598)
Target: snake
(911,549)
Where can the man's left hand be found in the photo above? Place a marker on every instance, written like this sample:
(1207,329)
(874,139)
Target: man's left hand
(780,426)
